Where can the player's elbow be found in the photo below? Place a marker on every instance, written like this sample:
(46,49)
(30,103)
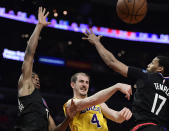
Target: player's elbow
(110,64)
(114,64)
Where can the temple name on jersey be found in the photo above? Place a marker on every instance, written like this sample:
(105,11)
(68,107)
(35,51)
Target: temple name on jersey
(93,108)
(162,87)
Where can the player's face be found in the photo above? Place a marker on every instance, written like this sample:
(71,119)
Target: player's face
(154,65)
(81,85)
(36,82)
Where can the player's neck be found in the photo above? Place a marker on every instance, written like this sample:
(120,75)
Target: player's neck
(80,96)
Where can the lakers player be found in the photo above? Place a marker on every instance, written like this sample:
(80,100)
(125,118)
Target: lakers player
(91,110)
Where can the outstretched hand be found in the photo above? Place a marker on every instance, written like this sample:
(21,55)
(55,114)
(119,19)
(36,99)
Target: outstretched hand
(91,37)
(125,89)
(125,113)
(42,15)
(71,110)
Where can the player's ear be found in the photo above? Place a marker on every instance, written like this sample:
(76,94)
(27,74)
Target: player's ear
(160,69)
(72,84)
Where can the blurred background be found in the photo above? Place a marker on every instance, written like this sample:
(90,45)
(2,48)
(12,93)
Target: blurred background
(77,55)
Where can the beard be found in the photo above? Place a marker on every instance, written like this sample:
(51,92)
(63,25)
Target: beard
(83,94)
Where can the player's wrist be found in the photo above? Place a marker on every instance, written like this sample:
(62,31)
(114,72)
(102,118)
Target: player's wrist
(97,42)
(40,25)
(115,88)
(118,86)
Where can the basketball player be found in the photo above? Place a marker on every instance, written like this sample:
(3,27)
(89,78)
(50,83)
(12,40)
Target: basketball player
(151,99)
(90,110)
(33,114)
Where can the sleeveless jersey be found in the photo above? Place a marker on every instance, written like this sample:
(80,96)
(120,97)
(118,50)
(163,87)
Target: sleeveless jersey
(90,119)
(151,99)
(32,113)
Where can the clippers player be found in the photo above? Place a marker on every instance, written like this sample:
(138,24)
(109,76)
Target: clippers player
(33,113)
(151,99)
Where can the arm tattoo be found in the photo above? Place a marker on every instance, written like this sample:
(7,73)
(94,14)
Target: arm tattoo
(28,50)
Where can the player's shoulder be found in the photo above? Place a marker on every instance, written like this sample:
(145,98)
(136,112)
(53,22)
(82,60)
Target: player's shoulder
(66,105)
(136,69)
(68,102)
(167,80)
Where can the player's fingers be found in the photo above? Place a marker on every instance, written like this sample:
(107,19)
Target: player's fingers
(85,38)
(40,9)
(100,36)
(129,115)
(122,112)
(72,102)
(44,10)
(127,96)
(67,110)
(87,31)
(126,112)
(48,23)
(130,91)
(91,30)
(47,14)
(85,34)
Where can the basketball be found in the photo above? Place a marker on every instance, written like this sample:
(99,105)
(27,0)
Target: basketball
(131,11)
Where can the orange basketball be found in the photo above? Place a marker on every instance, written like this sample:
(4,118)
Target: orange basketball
(131,11)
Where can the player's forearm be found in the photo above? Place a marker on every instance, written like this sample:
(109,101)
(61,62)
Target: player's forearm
(97,98)
(110,60)
(63,125)
(30,51)
(113,115)
(117,117)
(33,41)
(106,55)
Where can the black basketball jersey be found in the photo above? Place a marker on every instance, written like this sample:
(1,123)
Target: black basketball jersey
(151,99)
(32,113)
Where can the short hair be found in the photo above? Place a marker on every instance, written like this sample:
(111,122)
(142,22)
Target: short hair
(33,74)
(164,61)
(74,76)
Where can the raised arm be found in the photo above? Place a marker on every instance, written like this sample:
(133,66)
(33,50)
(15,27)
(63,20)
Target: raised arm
(106,55)
(102,96)
(31,47)
(116,116)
